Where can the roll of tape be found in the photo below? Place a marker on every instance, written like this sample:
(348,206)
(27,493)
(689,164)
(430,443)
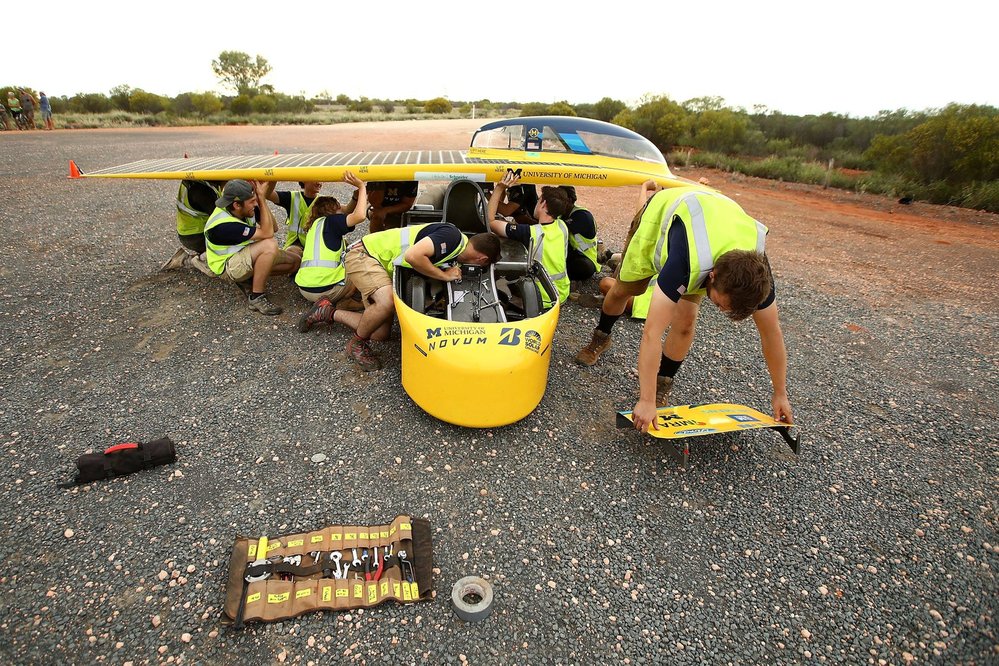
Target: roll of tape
(467,611)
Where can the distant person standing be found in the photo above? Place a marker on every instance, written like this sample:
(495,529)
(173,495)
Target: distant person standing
(14,104)
(5,118)
(28,108)
(46,109)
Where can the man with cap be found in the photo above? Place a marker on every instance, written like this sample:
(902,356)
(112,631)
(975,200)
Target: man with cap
(243,250)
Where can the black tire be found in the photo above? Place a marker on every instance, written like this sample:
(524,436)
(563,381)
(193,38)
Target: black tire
(417,293)
(531,296)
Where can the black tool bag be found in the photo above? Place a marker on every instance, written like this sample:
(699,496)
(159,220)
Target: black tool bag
(122,459)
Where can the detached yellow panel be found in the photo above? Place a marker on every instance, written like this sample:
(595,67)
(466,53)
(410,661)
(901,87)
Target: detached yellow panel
(475,375)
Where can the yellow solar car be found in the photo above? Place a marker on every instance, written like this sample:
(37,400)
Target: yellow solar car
(489,333)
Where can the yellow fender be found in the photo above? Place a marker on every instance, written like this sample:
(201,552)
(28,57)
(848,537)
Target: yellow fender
(473,374)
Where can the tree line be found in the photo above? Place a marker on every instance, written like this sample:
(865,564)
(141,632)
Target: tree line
(948,155)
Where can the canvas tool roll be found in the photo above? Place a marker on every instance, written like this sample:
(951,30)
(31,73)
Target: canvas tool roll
(300,570)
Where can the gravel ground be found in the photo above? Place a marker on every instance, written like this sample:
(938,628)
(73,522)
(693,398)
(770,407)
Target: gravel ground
(878,544)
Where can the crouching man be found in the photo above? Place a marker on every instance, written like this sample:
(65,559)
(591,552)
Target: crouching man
(435,250)
(243,250)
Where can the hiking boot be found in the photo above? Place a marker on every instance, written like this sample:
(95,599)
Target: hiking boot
(263,306)
(176,261)
(589,354)
(360,351)
(590,300)
(201,265)
(321,311)
(663,386)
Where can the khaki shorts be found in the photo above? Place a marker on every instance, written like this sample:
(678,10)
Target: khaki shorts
(334,293)
(365,273)
(239,267)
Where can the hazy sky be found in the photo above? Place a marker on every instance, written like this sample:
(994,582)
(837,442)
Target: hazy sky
(855,57)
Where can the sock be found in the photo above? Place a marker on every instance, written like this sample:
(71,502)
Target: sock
(607,322)
(254,295)
(668,367)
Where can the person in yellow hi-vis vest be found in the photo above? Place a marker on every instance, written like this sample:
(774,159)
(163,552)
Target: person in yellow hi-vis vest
(435,250)
(298,206)
(242,250)
(549,239)
(698,242)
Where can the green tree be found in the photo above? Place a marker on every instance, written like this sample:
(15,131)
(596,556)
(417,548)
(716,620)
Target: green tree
(120,97)
(437,105)
(413,106)
(561,108)
(182,104)
(362,105)
(343,100)
(659,119)
(237,71)
(702,104)
(607,108)
(89,103)
(141,101)
(721,130)
(533,109)
(263,104)
(241,105)
(959,145)
(206,103)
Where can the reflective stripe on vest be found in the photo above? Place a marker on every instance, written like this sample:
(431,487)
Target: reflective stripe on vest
(389,247)
(588,246)
(321,266)
(190,221)
(702,256)
(297,215)
(218,255)
(550,251)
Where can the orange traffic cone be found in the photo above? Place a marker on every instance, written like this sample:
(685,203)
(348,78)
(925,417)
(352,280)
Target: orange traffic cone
(275,152)
(74,171)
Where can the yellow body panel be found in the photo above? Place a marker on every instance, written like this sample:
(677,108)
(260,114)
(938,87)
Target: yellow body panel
(473,374)
(695,420)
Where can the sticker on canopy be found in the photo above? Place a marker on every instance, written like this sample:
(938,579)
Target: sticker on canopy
(743,418)
(534,137)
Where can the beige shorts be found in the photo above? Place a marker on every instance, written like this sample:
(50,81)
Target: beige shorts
(365,273)
(239,267)
(334,293)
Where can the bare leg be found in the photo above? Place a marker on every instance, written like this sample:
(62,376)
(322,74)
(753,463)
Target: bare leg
(262,254)
(378,314)
(616,300)
(680,336)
